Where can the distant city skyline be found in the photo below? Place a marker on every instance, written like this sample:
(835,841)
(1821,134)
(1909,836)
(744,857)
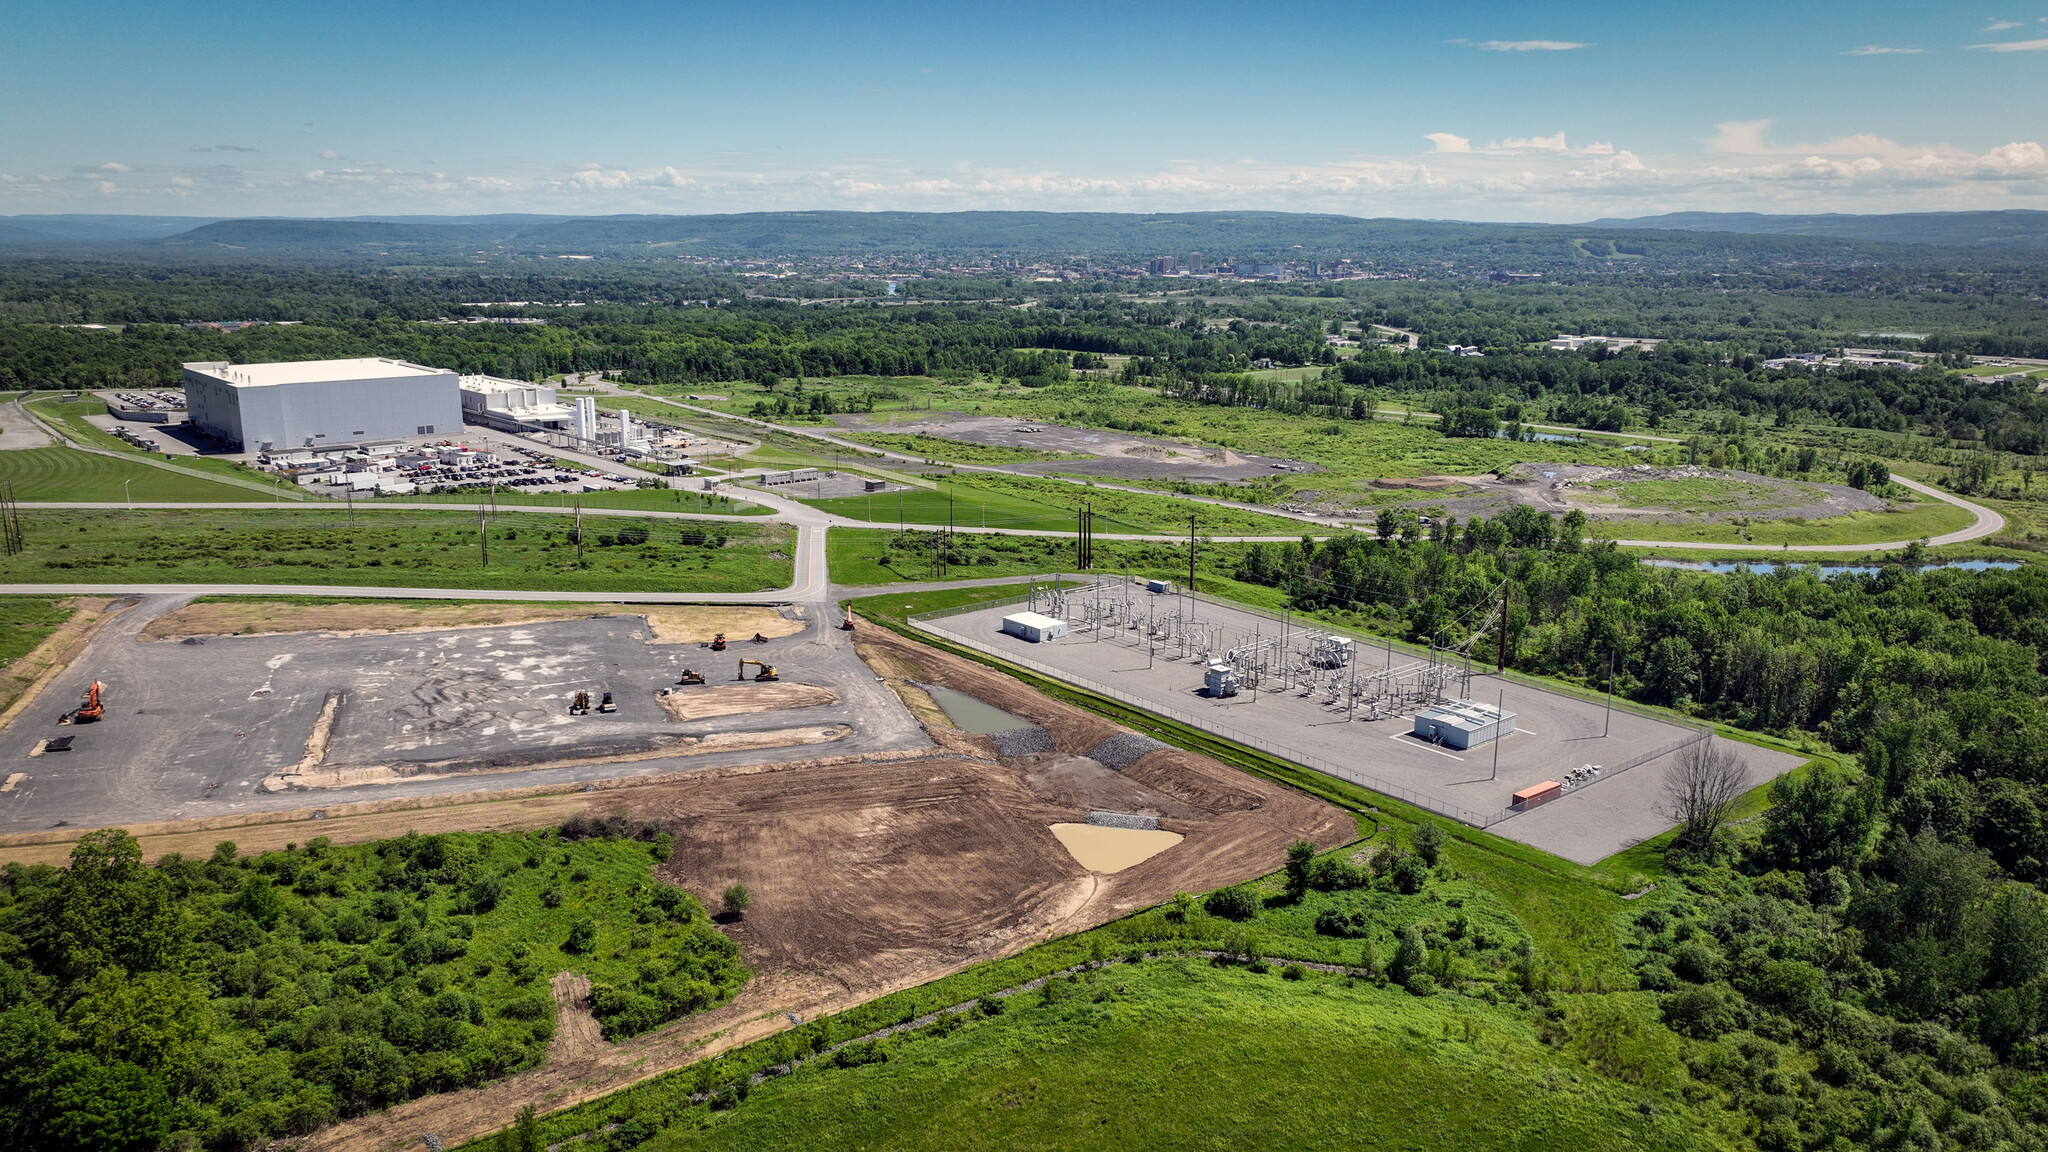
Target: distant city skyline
(1479,111)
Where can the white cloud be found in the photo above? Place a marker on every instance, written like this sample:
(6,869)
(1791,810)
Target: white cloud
(1531,45)
(1538,178)
(115,166)
(1881,50)
(2015,46)
(1999,25)
(1747,138)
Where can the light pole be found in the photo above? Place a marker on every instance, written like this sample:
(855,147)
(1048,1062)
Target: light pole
(126,494)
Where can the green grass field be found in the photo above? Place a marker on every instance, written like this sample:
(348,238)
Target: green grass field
(1034,505)
(941,449)
(635,499)
(57,473)
(70,415)
(1706,494)
(1177,1054)
(1924,519)
(528,551)
(969,506)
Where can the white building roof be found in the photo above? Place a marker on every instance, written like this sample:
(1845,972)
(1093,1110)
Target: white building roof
(312,371)
(1033,620)
(1468,715)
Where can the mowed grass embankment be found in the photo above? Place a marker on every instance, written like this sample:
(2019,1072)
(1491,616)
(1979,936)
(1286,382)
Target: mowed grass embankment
(527,551)
(62,474)
(1179,1054)
(70,417)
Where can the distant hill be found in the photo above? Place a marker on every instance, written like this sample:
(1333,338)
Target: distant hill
(1104,238)
(341,236)
(2014,228)
(106,228)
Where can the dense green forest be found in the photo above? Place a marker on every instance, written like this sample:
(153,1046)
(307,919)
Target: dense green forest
(228,1001)
(658,331)
(1886,922)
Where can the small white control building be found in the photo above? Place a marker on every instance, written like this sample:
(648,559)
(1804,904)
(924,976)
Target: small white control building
(1034,627)
(320,403)
(1463,723)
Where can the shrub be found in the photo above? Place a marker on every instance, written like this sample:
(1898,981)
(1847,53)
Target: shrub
(582,936)
(1239,903)
(1343,922)
(737,899)
(1410,874)
(1428,839)
(1293,972)
(1409,956)
(862,1052)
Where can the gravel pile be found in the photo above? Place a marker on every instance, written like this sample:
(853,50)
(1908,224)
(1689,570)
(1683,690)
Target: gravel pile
(1123,750)
(1022,741)
(1123,820)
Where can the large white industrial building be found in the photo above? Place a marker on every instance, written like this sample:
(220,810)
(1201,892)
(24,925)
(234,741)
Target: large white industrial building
(266,407)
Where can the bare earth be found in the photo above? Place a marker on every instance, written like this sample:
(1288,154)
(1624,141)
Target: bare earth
(872,876)
(671,624)
(696,703)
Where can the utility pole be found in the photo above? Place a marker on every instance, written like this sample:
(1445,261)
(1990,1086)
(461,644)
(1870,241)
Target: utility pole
(1607,720)
(482,541)
(579,530)
(1191,556)
(1499,713)
(1500,662)
(351,505)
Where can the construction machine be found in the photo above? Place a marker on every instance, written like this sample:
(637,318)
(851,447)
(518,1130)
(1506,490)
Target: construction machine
(580,706)
(767,670)
(718,642)
(606,705)
(691,676)
(760,639)
(847,624)
(92,709)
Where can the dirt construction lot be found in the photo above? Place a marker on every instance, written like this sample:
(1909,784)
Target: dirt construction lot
(871,876)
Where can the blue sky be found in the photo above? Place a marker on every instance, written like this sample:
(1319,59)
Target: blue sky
(1476,110)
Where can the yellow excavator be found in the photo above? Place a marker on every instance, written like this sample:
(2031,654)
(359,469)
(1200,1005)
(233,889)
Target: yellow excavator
(767,670)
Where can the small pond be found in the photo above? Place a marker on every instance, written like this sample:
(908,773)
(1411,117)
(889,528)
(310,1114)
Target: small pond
(971,715)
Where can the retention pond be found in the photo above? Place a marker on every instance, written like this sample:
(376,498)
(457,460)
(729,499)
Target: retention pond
(969,714)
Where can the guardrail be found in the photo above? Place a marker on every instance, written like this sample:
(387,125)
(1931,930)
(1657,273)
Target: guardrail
(1295,756)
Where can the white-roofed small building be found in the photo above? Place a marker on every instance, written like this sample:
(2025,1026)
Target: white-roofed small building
(1463,723)
(320,403)
(1034,626)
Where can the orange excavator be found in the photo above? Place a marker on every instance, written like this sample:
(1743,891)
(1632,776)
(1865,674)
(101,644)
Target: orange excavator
(718,642)
(91,710)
